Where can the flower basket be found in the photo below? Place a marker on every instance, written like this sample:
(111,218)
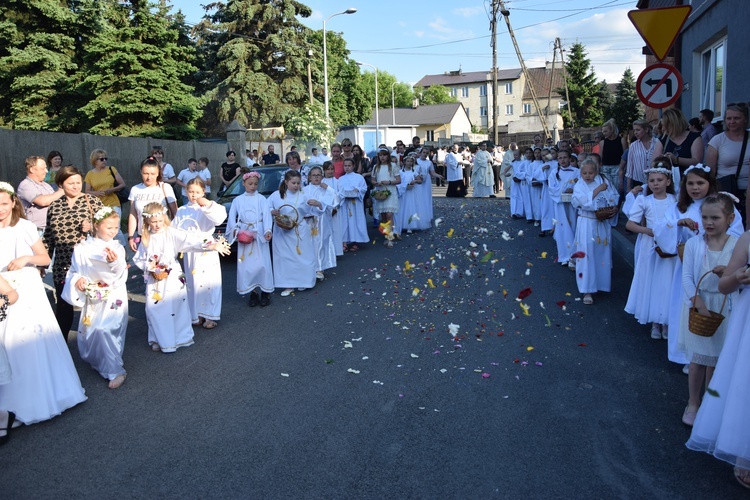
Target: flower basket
(705,326)
(664,255)
(245,237)
(380,194)
(160,275)
(285,221)
(97,291)
(606,213)
(566,197)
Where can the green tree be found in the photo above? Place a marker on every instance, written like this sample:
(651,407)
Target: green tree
(36,56)
(434,94)
(583,109)
(309,127)
(627,107)
(605,98)
(134,71)
(257,53)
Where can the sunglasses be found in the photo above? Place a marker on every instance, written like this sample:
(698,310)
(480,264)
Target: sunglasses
(103,159)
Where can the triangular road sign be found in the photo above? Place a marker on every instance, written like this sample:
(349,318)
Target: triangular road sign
(659,27)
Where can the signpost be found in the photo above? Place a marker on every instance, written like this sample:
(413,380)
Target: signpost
(659,85)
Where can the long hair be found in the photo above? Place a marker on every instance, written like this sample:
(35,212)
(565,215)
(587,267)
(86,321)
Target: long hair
(685,200)
(18,212)
(150,209)
(151,162)
(53,154)
(378,164)
(660,162)
(288,176)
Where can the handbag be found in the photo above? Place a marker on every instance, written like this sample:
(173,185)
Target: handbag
(728,183)
(124,193)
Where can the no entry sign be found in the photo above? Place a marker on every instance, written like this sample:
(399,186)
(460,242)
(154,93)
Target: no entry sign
(659,85)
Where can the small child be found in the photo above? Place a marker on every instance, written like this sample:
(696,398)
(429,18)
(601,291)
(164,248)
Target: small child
(329,180)
(648,299)
(167,310)
(704,261)
(185,176)
(96,282)
(516,196)
(202,269)
(547,170)
(593,237)
(321,228)
(351,190)
(250,224)
(561,183)
(409,214)
(536,177)
(385,177)
(524,173)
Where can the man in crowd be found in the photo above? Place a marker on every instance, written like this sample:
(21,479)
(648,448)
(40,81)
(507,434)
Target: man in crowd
(706,116)
(270,158)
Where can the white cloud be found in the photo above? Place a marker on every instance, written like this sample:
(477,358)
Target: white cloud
(442,30)
(468,11)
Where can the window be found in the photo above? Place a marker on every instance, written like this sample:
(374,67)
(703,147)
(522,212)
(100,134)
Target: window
(527,109)
(483,111)
(482,90)
(713,63)
(454,92)
(467,112)
(509,88)
(508,109)
(464,91)
(430,136)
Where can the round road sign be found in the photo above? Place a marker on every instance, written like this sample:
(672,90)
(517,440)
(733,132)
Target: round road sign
(659,85)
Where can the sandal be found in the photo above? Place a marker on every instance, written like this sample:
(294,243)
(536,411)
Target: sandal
(199,322)
(353,248)
(117,381)
(209,324)
(742,476)
(588,299)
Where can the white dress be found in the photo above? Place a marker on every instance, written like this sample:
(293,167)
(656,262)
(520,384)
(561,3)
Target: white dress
(390,204)
(202,268)
(103,323)
(482,177)
(522,172)
(593,237)
(548,206)
(294,256)
(516,193)
(535,192)
(721,427)
(423,194)
(338,242)
(321,226)
(698,260)
(409,216)
(564,213)
(650,290)
(351,189)
(167,310)
(44,380)
(250,212)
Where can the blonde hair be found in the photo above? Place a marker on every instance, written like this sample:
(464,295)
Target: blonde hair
(673,122)
(611,124)
(151,209)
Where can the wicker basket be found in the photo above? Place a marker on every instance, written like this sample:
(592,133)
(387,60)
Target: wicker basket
(285,221)
(160,275)
(606,213)
(380,194)
(566,197)
(664,255)
(701,325)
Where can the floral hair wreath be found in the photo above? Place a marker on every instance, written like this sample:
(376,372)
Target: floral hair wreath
(698,166)
(730,196)
(163,211)
(102,214)
(659,169)
(4,186)
(250,174)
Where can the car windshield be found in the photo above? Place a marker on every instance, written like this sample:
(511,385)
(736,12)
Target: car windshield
(269,182)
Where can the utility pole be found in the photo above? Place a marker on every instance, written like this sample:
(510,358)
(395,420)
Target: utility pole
(493,27)
(565,79)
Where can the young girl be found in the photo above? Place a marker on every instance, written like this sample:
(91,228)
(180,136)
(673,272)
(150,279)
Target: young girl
(294,256)
(535,177)
(516,197)
(409,214)
(202,269)
(706,258)
(721,425)
(96,282)
(648,299)
(167,310)
(524,172)
(546,171)
(321,226)
(250,224)
(329,180)
(592,236)
(561,183)
(424,172)
(385,177)
(351,189)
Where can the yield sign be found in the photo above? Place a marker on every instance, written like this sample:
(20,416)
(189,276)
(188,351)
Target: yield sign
(659,85)
(660,27)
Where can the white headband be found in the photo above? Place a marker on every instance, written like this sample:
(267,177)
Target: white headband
(658,170)
(102,214)
(4,186)
(162,212)
(730,196)
(699,166)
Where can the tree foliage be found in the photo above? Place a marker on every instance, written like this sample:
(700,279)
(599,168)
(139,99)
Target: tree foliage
(309,127)
(583,109)
(434,94)
(627,106)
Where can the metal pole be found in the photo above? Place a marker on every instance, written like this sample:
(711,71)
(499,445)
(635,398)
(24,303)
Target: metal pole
(309,75)
(377,112)
(494,71)
(325,60)
(393,102)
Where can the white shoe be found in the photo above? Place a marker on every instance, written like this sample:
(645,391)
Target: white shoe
(655,332)
(286,293)
(686,369)
(320,275)
(664,332)
(301,289)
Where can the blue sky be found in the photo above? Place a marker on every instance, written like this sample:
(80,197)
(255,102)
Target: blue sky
(420,37)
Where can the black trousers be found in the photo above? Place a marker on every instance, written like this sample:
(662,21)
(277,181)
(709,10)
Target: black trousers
(63,311)
(456,189)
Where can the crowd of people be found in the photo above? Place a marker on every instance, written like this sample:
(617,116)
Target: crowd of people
(691,254)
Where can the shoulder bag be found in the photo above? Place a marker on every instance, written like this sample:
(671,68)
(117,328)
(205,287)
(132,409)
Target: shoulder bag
(123,193)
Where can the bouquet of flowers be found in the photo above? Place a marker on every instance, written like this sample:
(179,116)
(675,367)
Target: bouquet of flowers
(159,271)
(380,194)
(97,291)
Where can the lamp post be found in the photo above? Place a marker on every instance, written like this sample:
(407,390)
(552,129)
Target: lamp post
(377,113)
(393,101)
(325,59)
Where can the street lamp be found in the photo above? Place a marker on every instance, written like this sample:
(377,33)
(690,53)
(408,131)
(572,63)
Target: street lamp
(393,101)
(325,59)
(377,113)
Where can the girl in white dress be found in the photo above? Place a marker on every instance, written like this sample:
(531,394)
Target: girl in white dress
(706,257)
(167,310)
(44,381)
(721,425)
(336,220)
(8,297)
(535,185)
(593,237)
(352,188)
(424,172)
(561,183)
(524,172)
(409,215)
(385,177)
(322,225)
(546,171)
(96,282)
(202,269)
(250,224)
(294,257)
(648,299)
(516,196)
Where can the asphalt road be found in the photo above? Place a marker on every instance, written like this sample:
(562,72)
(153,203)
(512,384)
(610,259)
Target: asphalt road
(357,389)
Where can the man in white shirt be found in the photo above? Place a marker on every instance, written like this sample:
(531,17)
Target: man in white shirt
(454,163)
(249,161)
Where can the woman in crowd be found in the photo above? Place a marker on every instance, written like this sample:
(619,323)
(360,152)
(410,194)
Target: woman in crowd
(611,148)
(230,170)
(54,162)
(640,154)
(679,144)
(104,181)
(69,221)
(152,189)
(167,171)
